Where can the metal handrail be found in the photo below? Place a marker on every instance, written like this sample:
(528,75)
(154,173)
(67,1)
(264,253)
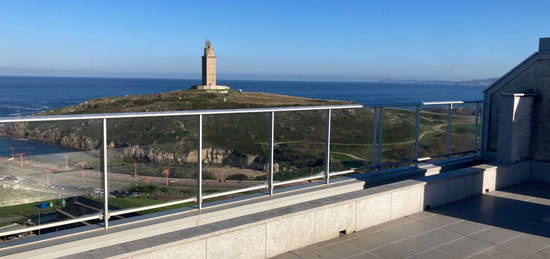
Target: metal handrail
(126,115)
(106,213)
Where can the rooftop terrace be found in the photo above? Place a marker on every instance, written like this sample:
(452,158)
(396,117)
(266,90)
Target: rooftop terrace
(508,223)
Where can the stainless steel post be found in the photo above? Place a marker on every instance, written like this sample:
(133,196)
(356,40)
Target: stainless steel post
(476,129)
(449,126)
(374,136)
(327,148)
(105,177)
(271,149)
(199,162)
(380,134)
(417,134)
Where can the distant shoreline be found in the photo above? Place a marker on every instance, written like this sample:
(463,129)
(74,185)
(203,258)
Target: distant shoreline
(480,82)
(476,82)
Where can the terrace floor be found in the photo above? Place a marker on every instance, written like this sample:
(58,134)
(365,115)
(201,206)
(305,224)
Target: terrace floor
(509,223)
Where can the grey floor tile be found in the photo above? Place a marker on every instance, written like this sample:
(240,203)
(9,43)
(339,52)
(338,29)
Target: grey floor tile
(495,252)
(540,201)
(343,249)
(341,239)
(484,256)
(400,249)
(524,245)
(388,225)
(433,254)
(519,197)
(421,215)
(317,253)
(288,255)
(496,235)
(466,227)
(305,249)
(498,193)
(542,254)
(366,242)
(365,255)
(436,237)
(405,231)
(440,220)
(330,242)
(464,247)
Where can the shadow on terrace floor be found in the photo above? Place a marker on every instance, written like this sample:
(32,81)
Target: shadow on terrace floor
(523,208)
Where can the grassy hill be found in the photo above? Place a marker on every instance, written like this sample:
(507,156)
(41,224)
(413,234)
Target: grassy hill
(188,100)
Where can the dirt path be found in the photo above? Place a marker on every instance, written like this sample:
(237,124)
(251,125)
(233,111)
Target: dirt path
(350,155)
(435,128)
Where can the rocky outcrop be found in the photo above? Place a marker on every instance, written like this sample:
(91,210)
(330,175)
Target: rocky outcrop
(16,130)
(211,157)
(50,136)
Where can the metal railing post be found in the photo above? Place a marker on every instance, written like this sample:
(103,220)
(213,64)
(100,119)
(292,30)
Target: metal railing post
(271,149)
(476,129)
(327,148)
(199,162)
(374,137)
(380,134)
(105,177)
(449,126)
(417,135)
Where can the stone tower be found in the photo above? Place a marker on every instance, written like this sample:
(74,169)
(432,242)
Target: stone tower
(208,65)
(209,70)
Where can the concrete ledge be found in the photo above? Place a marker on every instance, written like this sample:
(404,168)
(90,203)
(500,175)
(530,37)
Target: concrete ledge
(463,183)
(412,172)
(447,165)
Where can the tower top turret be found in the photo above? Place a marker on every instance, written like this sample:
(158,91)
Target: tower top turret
(208,50)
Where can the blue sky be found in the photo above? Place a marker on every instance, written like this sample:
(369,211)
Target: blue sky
(275,40)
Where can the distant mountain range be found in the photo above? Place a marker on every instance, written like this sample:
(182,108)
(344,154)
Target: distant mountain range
(479,82)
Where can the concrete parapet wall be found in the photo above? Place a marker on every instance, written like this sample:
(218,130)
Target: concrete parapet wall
(267,234)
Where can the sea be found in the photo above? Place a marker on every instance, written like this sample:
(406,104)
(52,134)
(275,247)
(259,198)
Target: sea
(28,95)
